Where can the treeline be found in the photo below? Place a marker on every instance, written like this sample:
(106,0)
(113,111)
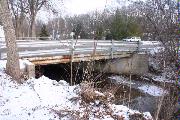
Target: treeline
(96,25)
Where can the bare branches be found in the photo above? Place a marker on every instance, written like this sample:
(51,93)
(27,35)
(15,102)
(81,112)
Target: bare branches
(22,9)
(159,19)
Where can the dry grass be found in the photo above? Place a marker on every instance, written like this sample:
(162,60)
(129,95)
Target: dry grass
(73,115)
(90,94)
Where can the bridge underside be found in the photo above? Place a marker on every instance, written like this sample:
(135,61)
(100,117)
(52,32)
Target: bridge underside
(124,63)
(75,58)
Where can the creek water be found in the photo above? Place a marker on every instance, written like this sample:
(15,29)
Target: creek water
(134,97)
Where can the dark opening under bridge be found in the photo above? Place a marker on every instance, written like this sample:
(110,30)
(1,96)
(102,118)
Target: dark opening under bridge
(43,52)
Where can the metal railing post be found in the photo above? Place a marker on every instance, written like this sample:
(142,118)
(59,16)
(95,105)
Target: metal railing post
(139,45)
(112,48)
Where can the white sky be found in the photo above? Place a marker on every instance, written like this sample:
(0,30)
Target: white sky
(71,7)
(83,6)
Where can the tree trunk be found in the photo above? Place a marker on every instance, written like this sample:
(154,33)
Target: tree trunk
(21,23)
(33,26)
(17,27)
(12,65)
(33,29)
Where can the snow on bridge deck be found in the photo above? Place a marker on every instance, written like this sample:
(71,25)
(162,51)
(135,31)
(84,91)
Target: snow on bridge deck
(49,51)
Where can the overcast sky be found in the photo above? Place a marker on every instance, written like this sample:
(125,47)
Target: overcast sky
(71,7)
(83,6)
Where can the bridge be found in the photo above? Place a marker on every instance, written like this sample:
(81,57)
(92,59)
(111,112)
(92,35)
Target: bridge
(44,52)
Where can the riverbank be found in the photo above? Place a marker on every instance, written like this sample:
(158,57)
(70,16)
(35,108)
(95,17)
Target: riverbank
(46,99)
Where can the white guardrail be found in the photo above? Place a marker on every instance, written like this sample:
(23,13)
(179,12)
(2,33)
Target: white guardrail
(29,48)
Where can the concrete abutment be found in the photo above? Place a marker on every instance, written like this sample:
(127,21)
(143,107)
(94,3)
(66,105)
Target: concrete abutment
(29,70)
(137,64)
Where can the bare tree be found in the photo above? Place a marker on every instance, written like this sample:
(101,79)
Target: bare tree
(34,7)
(159,20)
(12,66)
(19,9)
(26,8)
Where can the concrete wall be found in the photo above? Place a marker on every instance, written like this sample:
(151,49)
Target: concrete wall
(29,69)
(137,64)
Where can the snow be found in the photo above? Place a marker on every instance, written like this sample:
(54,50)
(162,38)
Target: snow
(162,78)
(99,94)
(120,80)
(1,33)
(156,50)
(153,90)
(167,76)
(147,115)
(152,47)
(144,87)
(21,63)
(123,111)
(37,99)
(33,99)
(151,42)
(2,64)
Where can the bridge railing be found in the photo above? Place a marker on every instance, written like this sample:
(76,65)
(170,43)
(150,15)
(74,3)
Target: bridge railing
(48,48)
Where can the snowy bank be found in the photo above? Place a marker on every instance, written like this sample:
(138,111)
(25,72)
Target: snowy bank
(21,63)
(153,90)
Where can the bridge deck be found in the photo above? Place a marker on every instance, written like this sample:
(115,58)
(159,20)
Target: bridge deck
(48,51)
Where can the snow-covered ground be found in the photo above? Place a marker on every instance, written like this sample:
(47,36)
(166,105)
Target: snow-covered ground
(46,99)
(21,63)
(163,78)
(153,90)
(166,74)
(121,80)
(147,88)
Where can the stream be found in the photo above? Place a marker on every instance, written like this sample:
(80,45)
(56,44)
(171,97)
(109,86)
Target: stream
(139,94)
(143,96)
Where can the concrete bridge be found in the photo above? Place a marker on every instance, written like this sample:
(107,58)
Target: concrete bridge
(125,56)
